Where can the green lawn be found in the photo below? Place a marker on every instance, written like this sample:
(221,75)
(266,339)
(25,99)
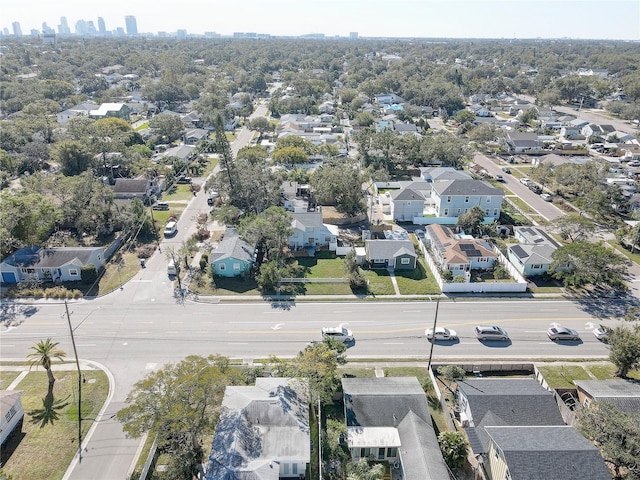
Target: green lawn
(562,376)
(45,451)
(362,372)
(379,282)
(6,378)
(418,281)
(177,192)
(323,265)
(117,274)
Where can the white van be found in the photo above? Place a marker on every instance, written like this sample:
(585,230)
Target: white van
(170,229)
(171,269)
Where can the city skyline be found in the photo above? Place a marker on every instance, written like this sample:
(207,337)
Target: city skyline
(371,18)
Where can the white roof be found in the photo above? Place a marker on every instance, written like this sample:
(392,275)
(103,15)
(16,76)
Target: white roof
(373,437)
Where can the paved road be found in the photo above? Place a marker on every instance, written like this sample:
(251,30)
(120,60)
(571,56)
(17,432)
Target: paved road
(547,209)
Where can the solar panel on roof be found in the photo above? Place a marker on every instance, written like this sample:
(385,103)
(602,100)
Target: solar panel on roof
(520,253)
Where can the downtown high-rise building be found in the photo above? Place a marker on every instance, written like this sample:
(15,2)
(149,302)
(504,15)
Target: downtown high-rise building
(63,28)
(17,30)
(131,25)
(102,28)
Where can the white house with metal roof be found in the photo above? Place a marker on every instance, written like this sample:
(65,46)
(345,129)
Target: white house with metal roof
(263,432)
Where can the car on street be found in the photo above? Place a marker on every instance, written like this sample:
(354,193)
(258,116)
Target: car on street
(161,206)
(338,333)
(499,178)
(491,332)
(442,334)
(634,163)
(602,333)
(525,181)
(562,333)
(420,234)
(171,229)
(184,179)
(546,197)
(534,187)
(506,169)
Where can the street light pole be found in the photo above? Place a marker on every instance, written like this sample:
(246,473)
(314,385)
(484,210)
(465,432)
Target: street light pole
(433,336)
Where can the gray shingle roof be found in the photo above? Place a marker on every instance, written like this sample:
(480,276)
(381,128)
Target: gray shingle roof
(465,187)
(508,402)
(623,394)
(534,453)
(406,194)
(38,257)
(232,246)
(398,402)
(389,248)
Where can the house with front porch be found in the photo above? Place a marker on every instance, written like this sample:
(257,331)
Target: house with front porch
(396,254)
(388,420)
(459,254)
(452,198)
(263,432)
(194,135)
(60,264)
(309,232)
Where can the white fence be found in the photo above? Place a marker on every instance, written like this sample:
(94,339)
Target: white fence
(519,286)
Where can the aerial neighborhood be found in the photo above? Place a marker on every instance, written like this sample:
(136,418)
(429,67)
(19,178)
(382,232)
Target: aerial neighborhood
(237,194)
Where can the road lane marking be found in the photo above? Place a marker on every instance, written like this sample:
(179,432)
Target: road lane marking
(142,333)
(178,322)
(172,332)
(86,345)
(238,343)
(393,343)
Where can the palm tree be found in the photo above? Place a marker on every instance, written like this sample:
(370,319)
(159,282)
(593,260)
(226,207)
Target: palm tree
(44,351)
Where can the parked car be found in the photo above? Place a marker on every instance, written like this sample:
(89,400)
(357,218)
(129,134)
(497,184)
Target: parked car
(602,333)
(491,332)
(525,181)
(171,229)
(420,234)
(499,178)
(161,206)
(184,179)
(562,333)
(506,169)
(338,333)
(534,187)
(441,334)
(546,197)
(634,163)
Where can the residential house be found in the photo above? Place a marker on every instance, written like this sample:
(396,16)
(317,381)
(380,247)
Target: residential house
(233,257)
(406,129)
(600,131)
(480,110)
(406,203)
(61,264)
(452,198)
(519,142)
(436,174)
(534,254)
(459,254)
(390,253)
(194,135)
(624,394)
(109,110)
(80,110)
(485,402)
(388,99)
(309,232)
(388,420)
(620,137)
(182,152)
(537,452)
(263,432)
(192,120)
(129,188)
(11,412)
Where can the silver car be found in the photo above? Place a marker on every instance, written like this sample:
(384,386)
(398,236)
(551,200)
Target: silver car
(443,334)
(562,333)
(491,332)
(338,333)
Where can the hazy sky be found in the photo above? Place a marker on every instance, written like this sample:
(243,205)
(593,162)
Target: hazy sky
(609,19)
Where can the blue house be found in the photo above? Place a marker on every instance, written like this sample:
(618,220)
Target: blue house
(233,257)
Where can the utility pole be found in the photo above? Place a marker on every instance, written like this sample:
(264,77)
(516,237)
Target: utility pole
(433,337)
(155,230)
(75,352)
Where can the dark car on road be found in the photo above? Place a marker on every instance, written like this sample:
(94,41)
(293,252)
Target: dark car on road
(161,206)
(184,179)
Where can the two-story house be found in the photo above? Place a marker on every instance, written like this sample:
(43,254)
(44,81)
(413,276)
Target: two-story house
(452,198)
(309,232)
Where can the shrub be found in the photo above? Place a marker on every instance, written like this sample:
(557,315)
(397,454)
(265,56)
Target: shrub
(89,273)
(146,250)
(202,234)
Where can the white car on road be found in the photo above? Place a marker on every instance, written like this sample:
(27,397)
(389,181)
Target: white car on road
(338,333)
(442,334)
